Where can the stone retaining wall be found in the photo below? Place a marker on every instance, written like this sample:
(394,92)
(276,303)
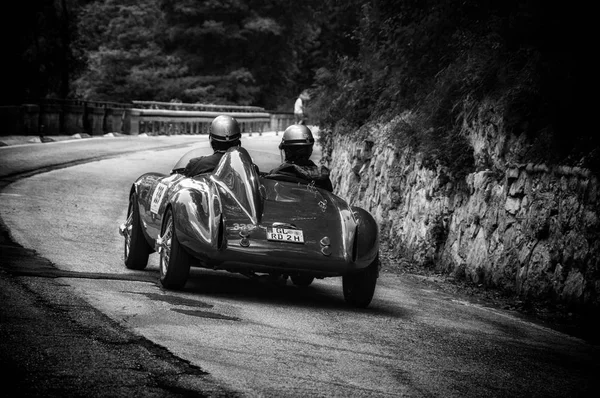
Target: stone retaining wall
(527,228)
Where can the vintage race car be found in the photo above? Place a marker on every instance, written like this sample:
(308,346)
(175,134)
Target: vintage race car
(239,220)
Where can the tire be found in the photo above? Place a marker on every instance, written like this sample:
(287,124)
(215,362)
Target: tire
(302,280)
(360,287)
(136,249)
(174,261)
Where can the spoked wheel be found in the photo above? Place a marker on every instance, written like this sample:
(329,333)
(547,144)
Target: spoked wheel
(136,248)
(174,260)
(302,280)
(360,287)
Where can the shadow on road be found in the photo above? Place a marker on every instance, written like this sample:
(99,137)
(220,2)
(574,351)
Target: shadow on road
(317,295)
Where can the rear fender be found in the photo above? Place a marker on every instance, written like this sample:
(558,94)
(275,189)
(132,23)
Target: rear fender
(198,218)
(366,244)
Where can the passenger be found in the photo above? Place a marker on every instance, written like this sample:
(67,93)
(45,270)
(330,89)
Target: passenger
(297,143)
(224,133)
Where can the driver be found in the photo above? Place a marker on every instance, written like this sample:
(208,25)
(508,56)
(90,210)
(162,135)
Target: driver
(224,133)
(297,143)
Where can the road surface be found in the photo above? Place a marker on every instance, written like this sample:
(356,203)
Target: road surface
(258,339)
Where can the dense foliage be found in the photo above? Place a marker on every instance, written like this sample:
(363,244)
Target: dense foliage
(362,60)
(38,56)
(441,58)
(211,52)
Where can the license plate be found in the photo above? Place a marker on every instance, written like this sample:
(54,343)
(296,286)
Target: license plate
(285,235)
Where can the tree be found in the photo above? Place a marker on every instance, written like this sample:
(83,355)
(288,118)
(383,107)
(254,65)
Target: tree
(199,51)
(39,53)
(124,60)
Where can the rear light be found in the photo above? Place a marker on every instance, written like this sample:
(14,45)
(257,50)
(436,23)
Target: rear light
(244,233)
(325,249)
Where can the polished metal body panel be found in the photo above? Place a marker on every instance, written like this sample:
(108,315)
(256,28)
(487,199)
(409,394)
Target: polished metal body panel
(222,219)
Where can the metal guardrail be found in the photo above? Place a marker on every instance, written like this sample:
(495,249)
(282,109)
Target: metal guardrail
(78,102)
(164,121)
(196,107)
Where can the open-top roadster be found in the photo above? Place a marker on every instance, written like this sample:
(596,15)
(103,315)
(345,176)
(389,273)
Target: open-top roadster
(239,220)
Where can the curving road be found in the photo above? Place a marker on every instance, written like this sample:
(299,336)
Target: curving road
(278,341)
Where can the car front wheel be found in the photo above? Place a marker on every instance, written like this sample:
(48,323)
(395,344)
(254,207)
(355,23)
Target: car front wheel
(136,248)
(174,260)
(360,287)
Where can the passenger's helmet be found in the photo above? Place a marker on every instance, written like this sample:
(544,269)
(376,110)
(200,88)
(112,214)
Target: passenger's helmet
(297,135)
(225,129)
(297,142)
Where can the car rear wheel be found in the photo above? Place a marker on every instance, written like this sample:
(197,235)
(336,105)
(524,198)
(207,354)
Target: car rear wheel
(360,287)
(302,280)
(136,248)
(174,260)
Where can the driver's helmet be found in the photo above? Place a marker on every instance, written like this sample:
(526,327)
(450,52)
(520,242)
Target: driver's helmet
(224,129)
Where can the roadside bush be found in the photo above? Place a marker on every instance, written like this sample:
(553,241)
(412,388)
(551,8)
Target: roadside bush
(440,59)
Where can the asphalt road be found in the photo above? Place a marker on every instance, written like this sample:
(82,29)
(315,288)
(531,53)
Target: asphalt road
(228,335)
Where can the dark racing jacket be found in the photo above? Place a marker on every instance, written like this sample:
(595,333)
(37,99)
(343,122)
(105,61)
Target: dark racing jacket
(306,170)
(202,164)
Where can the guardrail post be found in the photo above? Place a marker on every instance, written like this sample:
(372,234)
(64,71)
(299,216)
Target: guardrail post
(11,117)
(73,119)
(132,122)
(31,119)
(50,119)
(114,120)
(96,115)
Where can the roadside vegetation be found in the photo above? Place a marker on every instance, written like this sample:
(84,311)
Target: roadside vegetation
(441,59)
(361,61)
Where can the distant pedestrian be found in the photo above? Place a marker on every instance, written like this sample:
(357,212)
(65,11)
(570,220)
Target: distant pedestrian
(300,109)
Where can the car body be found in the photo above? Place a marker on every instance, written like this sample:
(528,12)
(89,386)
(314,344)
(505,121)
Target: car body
(239,220)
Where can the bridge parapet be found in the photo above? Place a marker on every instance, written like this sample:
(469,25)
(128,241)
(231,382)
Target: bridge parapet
(69,117)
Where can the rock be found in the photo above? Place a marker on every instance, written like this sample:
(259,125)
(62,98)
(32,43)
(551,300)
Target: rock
(534,231)
(512,205)
(573,288)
